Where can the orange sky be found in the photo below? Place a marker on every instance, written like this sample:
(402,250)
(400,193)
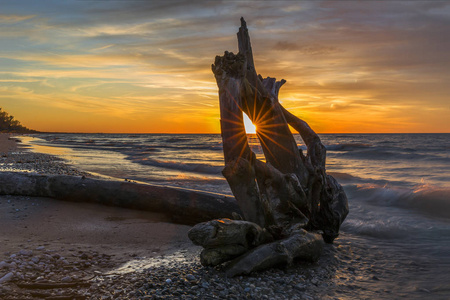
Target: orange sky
(144,67)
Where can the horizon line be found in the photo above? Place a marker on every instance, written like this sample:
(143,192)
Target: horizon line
(135,133)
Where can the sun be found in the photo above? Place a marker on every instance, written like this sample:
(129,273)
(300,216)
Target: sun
(250,128)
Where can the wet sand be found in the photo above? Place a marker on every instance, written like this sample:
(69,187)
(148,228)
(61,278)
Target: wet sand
(28,223)
(33,222)
(7,143)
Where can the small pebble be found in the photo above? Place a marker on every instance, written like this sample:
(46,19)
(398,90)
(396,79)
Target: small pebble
(67,279)
(191,277)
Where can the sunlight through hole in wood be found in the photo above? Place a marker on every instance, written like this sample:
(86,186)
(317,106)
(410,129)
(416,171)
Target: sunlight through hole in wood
(250,128)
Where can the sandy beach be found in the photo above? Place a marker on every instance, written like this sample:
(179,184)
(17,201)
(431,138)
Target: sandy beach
(68,229)
(28,223)
(7,143)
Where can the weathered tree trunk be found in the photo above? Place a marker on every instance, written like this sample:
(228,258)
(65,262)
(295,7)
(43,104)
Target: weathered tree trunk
(289,193)
(183,206)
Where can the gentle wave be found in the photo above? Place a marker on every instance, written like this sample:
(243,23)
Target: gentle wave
(347,146)
(175,165)
(410,227)
(385,229)
(386,155)
(427,199)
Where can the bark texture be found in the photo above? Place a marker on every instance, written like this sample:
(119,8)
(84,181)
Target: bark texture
(289,198)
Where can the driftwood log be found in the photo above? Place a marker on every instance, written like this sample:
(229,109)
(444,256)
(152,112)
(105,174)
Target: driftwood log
(289,204)
(184,206)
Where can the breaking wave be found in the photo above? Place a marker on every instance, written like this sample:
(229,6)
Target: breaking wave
(427,199)
(421,214)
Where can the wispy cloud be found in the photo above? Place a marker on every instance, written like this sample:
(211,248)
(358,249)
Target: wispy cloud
(14,18)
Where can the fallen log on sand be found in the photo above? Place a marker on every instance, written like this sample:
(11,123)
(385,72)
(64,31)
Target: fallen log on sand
(183,206)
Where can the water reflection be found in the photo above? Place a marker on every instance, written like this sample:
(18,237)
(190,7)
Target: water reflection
(143,263)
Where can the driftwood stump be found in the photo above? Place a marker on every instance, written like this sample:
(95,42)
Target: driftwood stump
(289,204)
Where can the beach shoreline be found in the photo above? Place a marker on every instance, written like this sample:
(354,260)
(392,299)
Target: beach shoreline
(119,253)
(66,229)
(114,253)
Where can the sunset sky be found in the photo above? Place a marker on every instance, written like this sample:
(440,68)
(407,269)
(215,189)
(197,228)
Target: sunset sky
(145,66)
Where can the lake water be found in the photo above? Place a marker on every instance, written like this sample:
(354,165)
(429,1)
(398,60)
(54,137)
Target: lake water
(395,242)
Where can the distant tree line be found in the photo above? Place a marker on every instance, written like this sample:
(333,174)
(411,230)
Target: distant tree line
(9,124)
